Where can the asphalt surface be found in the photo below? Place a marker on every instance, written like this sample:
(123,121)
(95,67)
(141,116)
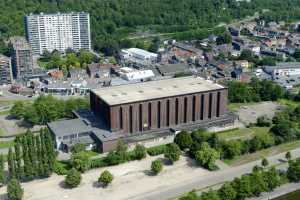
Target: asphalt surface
(211,179)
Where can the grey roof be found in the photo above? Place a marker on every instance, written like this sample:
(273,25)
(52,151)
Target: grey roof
(288,65)
(68,127)
(86,122)
(172,68)
(122,94)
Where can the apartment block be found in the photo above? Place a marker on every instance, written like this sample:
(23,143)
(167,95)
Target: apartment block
(59,31)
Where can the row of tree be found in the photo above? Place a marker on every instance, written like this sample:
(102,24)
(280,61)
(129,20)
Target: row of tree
(33,156)
(45,109)
(249,185)
(255,91)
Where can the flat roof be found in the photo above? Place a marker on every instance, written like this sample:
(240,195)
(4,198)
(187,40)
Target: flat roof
(130,93)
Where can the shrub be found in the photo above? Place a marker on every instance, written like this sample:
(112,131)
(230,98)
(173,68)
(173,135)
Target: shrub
(78,148)
(207,156)
(157,150)
(96,163)
(139,152)
(73,178)
(263,121)
(172,152)
(80,161)
(105,178)
(156,166)
(183,140)
(14,190)
(61,168)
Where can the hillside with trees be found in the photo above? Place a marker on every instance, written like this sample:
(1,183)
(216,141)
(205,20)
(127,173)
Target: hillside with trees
(112,21)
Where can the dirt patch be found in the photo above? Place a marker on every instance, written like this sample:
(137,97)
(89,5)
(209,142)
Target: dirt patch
(130,179)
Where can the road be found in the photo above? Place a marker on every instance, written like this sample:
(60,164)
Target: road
(208,180)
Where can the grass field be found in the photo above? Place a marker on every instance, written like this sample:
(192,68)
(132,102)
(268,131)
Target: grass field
(6,144)
(240,160)
(288,102)
(242,133)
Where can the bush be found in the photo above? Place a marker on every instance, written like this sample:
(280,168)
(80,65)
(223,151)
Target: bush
(73,178)
(231,149)
(156,166)
(263,121)
(157,150)
(80,161)
(207,156)
(105,178)
(61,168)
(172,152)
(139,152)
(96,163)
(183,140)
(14,190)
(78,148)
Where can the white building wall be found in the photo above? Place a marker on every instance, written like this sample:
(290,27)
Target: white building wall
(58,32)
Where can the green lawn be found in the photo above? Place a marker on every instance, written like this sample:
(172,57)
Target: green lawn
(6,112)
(240,160)
(6,144)
(1,131)
(242,133)
(288,102)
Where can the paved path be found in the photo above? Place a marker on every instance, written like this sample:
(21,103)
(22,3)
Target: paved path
(208,180)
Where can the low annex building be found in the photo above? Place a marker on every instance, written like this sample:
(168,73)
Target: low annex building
(144,111)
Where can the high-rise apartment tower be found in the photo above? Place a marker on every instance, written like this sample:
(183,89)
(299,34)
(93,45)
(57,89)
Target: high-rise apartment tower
(59,31)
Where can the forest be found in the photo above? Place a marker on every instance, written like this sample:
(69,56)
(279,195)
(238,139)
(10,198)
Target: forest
(113,20)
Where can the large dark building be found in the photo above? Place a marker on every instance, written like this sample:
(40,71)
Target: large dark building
(159,104)
(135,111)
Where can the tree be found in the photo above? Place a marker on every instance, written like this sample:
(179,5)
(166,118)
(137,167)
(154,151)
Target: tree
(210,195)
(73,178)
(288,155)
(11,164)
(190,196)
(139,152)
(18,156)
(243,187)
(207,156)
(263,121)
(156,166)
(85,57)
(14,190)
(227,192)
(293,172)
(183,140)
(172,152)
(231,149)
(264,162)
(258,183)
(105,178)
(224,39)
(2,175)
(272,178)
(18,109)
